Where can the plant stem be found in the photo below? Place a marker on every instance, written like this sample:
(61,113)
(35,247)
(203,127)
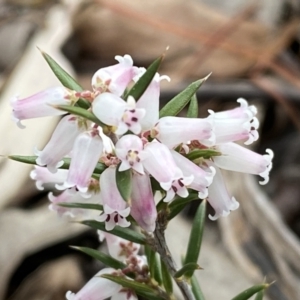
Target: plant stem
(159,244)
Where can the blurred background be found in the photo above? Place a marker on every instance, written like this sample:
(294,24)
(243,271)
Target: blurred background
(252,49)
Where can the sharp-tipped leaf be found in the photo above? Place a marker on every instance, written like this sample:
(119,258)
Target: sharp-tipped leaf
(65,78)
(195,240)
(202,153)
(175,105)
(104,258)
(179,204)
(166,278)
(260,295)
(78,111)
(193,107)
(81,205)
(123,180)
(247,294)
(141,85)
(124,233)
(187,268)
(140,288)
(153,263)
(196,289)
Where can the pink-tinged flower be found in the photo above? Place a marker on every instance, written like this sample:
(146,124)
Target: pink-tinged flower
(40,104)
(115,211)
(202,177)
(150,100)
(43,176)
(97,288)
(237,158)
(160,163)
(114,111)
(173,131)
(115,78)
(143,208)
(129,150)
(236,124)
(72,196)
(119,248)
(60,144)
(86,153)
(219,198)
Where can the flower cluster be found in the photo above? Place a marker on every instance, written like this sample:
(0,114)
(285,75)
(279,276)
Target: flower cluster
(155,152)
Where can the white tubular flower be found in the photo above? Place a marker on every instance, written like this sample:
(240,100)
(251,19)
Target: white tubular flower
(115,211)
(86,152)
(160,163)
(150,100)
(72,196)
(39,105)
(236,124)
(119,248)
(60,144)
(129,150)
(237,158)
(143,208)
(202,178)
(43,176)
(97,288)
(173,131)
(219,198)
(115,78)
(122,115)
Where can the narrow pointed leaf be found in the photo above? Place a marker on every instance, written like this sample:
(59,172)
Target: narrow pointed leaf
(141,85)
(124,233)
(140,288)
(247,294)
(175,105)
(179,204)
(193,108)
(166,278)
(196,289)
(202,153)
(65,78)
(78,111)
(260,295)
(195,240)
(81,205)
(153,263)
(100,167)
(187,268)
(157,269)
(123,180)
(104,258)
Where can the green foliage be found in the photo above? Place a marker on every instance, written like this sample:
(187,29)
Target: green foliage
(193,107)
(81,205)
(166,278)
(123,180)
(202,153)
(196,289)
(248,293)
(187,269)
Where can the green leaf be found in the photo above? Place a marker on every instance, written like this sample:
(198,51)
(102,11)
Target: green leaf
(175,105)
(193,107)
(104,258)
(195,240)
(187,268)
(124,233)
(140,288)
(123,180)
(81,205)
(260,295)
(178,204)
(65,78)
(141,85)
(100,167)
(153,263)
(247,294)
(166,278)
(78,111)
(202,153)
(196,289)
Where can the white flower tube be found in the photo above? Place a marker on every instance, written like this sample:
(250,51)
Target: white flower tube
(173,131)
(39,105)
(60,144)
(237,158)
(115,211)
(219,198)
